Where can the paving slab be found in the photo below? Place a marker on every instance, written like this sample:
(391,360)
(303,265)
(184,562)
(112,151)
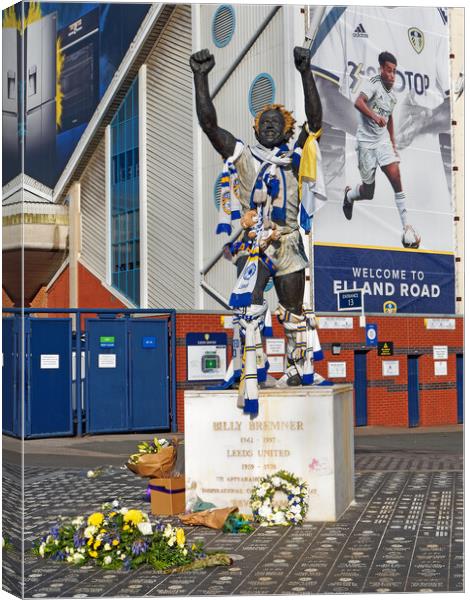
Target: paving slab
(404,532)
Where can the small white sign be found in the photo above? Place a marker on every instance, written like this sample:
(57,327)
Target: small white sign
(439,323)
(336,369)
(440,352)
(227,321)
(335,322)
(49,361)
(276,364)
(440,367)
(390,368)
(275,346)
(106,361)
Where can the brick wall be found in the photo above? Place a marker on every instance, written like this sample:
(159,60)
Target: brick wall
(387,397)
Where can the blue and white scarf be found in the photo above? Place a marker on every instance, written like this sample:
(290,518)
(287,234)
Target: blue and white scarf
(230,208)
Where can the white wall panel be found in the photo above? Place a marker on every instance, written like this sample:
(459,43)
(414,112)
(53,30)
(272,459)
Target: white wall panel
(170,204)
(93,208)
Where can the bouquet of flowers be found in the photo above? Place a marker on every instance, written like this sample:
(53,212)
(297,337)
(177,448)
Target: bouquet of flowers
(125,538)
(154,459)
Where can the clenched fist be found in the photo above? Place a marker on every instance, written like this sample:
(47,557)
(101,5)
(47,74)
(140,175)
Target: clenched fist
(302,59)
(202,62)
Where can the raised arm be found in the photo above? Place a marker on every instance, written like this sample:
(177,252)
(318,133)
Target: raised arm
(202,63)
(313,108)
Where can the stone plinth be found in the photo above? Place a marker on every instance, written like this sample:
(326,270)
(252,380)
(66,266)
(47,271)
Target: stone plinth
(308,431)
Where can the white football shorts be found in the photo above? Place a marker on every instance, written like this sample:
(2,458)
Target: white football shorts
(371,158)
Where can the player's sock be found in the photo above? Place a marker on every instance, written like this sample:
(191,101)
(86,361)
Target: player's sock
(400,201)
(354,194)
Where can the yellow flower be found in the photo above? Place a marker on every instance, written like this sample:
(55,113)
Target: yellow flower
(125,528)
(102,530)
(180,537)
(92,553)
(133,516)
(97,544)
(111,514)
(96,519)
(115,542)
(90,541)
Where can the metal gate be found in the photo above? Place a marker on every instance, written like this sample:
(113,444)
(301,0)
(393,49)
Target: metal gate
(128,379)
(360,387)
(10,376)
(48,406)
(126,376)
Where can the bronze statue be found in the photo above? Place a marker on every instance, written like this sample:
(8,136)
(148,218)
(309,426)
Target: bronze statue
(267,187)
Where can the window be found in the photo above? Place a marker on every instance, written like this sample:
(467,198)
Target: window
(125,236)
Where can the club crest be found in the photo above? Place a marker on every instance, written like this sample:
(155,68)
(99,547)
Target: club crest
(416,37)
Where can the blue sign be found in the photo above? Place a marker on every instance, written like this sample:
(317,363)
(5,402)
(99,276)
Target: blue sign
(412,280)
(371,335)
(149,342)
(350,300)
(206,339)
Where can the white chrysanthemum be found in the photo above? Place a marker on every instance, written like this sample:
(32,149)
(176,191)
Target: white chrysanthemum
(296,490)
(78,521)
(279,518)
(115,503)
(261,492)
(123,511)
(256,504)
(69,558)
(107,547)
(145,528)
(265,511)
(107,560)
(295,508)
(276,481)
(42,548)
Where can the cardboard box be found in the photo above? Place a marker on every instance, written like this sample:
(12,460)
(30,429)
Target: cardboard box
(167,496)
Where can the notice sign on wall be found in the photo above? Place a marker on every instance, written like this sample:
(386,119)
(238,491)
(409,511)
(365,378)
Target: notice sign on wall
(49,361)
(106,361)
(206,356)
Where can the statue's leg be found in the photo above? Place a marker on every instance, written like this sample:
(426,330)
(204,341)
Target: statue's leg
(290,292)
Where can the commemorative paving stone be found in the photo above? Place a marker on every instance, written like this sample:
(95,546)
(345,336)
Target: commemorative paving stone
(404,532)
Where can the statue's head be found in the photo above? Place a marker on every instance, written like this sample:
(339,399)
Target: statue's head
(274,125)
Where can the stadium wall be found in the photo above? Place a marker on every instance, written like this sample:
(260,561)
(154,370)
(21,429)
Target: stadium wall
(387,397)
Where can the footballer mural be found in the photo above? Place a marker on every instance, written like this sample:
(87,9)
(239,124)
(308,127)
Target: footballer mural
(383,75)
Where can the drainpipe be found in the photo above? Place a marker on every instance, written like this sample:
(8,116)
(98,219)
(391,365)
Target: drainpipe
(74,246)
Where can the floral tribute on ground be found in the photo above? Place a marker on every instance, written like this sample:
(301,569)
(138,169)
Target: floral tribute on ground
(279,499)
(122,538)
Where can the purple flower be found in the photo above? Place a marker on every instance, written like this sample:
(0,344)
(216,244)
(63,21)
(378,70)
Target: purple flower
(78,540)
(59,555)
(127,564)
(159,526)
(139,547)
(54,532)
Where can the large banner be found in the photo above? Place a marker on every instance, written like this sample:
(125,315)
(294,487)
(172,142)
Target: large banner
(58,60)
(395,239)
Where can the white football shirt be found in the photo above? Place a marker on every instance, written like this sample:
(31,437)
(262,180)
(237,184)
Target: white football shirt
(381,101)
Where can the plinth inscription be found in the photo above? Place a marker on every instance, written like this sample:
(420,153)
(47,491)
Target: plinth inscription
(308,433)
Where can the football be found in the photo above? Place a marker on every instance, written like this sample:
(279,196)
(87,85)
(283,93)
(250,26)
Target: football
(410,239)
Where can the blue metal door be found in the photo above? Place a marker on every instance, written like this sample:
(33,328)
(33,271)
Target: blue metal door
(459,358)
(149,374)
(360,387)
(48,377)
(413,391)
(106,402)
(10,376)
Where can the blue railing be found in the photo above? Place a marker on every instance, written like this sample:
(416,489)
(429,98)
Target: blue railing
(112,313)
